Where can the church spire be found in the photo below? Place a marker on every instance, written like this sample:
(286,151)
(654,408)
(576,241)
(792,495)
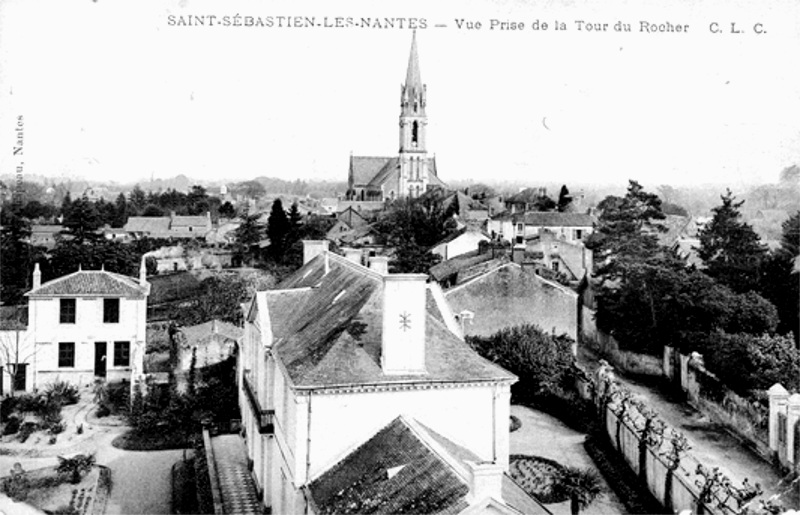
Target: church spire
(413,92)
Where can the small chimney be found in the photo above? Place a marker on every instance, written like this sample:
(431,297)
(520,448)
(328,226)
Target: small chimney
(380,264)
(143,272)
(486,480)
(37,276)
(353,255)
(214,329)
(313,248)
(404,314)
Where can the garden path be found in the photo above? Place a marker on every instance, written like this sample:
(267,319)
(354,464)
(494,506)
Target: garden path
(546,436)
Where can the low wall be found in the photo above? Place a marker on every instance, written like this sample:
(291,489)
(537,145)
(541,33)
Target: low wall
(607,347)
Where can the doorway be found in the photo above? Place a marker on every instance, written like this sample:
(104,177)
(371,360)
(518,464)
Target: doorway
(100,350)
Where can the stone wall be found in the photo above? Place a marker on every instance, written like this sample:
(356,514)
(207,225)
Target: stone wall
(607,347)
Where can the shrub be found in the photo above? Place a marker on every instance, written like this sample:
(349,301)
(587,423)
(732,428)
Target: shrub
(75,467)
(12,426)
(62,391)
(57,428)
(26,430)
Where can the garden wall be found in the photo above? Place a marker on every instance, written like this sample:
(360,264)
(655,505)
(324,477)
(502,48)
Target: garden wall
(748,419)
(607,347)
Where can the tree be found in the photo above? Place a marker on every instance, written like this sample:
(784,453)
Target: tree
(152,210)
(251,189)
(731,249)
(226,210)
(454,209)
(121,212)
(295,224)
(138,199)
(277,230)
(81,220)
(14,350)
(17,257)
(247,236)
(781,282)
(673,209)
(564,199)
(198,201)
(582,486)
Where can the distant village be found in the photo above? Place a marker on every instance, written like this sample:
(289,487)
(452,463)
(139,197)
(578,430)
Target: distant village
(400,343)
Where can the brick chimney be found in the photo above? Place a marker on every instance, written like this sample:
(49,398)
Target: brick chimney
(486,480)
(404,314)
(37,276)
(313,248)
(380,264)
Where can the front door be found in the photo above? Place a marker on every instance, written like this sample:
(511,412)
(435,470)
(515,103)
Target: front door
(100,350)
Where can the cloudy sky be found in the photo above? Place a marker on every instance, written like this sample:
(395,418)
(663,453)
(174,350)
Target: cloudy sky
(122,90)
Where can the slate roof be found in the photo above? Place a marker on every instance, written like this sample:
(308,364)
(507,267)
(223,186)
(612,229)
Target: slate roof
(550,219)
(202,332)
(398,471)
(362,482)
(148,224)
(187,221)
(327,332)
(364,168)
(90,283)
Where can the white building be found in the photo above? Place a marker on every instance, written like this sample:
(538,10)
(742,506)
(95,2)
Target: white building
(461,242)
(86,325)
(356,381)
(517,227)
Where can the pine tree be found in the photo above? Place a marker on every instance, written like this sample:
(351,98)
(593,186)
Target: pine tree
(730,248)
(121,212)
(82,220)
(277,230)
(295,224)
(564,199)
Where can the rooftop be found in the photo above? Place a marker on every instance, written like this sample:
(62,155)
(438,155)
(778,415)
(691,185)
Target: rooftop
(91,283)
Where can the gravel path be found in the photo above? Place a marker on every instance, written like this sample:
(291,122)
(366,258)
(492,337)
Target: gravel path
(546,436)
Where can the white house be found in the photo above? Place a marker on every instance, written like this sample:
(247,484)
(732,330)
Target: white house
(86,325)
(516,227)
(356,381)
(459,243)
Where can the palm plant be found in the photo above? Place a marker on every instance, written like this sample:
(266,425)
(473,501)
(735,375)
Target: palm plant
(582,486)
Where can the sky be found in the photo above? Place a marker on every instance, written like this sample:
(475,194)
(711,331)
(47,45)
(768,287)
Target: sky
(122,90)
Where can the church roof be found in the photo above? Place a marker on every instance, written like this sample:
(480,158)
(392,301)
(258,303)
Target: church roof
(91,283)
(413,77)
(327,331)
(363,169)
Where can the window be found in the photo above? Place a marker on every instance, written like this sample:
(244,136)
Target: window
(520,227)
(67,311)
(122,354)
(555,266)
(66,354)
(110,311)
(578,234)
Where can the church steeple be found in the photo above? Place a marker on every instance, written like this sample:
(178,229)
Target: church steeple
(413,122)
(413,92)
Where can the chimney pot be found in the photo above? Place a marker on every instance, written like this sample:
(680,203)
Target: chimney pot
(380,264)
(486,480)
(353,255)
(37,276)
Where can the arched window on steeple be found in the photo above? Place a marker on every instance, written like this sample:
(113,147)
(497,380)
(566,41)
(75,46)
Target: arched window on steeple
(415,133)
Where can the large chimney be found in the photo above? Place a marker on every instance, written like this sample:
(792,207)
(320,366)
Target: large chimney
(313,248)
(380,264)
(353,255)
(486,480)
(37,276)
(404,314)
(143,271)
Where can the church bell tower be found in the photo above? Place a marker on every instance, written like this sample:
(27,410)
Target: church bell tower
(413,123)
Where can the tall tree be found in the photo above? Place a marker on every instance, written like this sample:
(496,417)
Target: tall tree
(17,257)
(277,230)
(730,248)
(247,236)
(564,199)
(198,202)
(781,282)
(82,220)
(295,224)
(138,199)
(121,211)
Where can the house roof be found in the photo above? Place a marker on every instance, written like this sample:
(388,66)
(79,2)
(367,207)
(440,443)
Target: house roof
(392,472)
(407,468)
(148,224)
(91,283)
(459,263)
(203,332)
(462,232)
(549,219)
(351,217)
(39,230)
(327,332)
(186,221)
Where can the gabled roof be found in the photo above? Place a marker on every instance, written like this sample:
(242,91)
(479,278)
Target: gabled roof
(193,221)
(148,224)
(549,219)
(198,333)
(364,168)
(408,468)
(351,217)
(91,283)
(461,232)
(327,330)
(390,172)
(392,472)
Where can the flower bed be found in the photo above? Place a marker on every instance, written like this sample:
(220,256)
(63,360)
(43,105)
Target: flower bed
(538,477)
(50,491)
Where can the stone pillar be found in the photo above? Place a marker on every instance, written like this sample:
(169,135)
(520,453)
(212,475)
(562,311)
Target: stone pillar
(778,397)
(792,418)
(666,364)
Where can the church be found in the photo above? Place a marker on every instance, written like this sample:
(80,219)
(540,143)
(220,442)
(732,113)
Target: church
(412,172)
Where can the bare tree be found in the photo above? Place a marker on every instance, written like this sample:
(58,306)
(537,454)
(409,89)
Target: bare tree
(14,350)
